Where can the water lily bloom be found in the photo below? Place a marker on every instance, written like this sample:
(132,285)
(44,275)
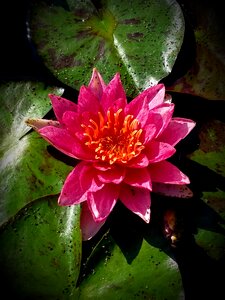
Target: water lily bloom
(122,147)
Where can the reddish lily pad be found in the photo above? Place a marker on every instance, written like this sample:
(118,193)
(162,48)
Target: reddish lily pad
(40,252)
(141,40)
(28,171)
(206,78)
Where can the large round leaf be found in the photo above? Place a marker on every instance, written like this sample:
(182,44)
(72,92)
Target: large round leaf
(140,39)
(40,252)
(27,169)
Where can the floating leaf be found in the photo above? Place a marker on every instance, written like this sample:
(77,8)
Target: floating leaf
(141,40)
(40,252)
(210,155)
(211,152)
(206,78)
(20,101)
(151,275)
(28,171)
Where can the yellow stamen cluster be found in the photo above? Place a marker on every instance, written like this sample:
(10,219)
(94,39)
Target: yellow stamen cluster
(115,138)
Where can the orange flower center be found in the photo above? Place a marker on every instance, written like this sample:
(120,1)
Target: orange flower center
(114,139)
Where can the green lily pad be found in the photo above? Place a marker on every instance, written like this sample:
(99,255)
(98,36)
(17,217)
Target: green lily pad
(206,78)
(211,151)
(20,101)
(27,169)
(213,241)
(40,252)
(151,275)
(141,40)
(28,172)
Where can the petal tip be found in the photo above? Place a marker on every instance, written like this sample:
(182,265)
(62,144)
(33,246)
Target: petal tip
(34,123)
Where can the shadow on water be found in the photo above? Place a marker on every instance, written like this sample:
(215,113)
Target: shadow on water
(202,276)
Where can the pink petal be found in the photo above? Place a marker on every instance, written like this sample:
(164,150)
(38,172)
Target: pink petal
(137,200)
(101,203)
(158,98)
(119,103)
(158,151)
(138,178)
(149,132)
(72,121)
(139,110)
(160,117)
(113,92)
(154,95)
(87,116)
(172,190)
(114,175)
(97,84)
(88,226)
(72,192)
(89,180)
(165,172)
(37,124)
(87,101)
(102,166)
(80,181)
(60,105)
(177,129)
(65,142)
(143,103)
(141,161)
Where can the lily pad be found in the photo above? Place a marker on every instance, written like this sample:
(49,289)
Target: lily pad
(20,101)
(211,151)
(141,40)
(206,78)
(210,155)
(27,169)
(28,172)
(40,252)
(151,275)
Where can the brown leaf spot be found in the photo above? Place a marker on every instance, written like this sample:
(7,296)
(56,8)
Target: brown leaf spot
(136,36)
(83,34)
(60,62)
(101,50)
(132,21)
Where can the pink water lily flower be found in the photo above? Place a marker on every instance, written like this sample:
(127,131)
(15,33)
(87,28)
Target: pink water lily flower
(122,147)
